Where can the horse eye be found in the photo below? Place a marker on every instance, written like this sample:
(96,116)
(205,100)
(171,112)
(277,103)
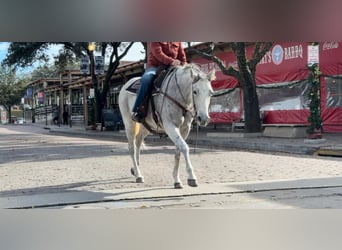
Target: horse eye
(195,92)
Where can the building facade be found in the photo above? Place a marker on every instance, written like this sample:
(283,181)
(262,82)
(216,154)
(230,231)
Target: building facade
(282,85)
(72,93)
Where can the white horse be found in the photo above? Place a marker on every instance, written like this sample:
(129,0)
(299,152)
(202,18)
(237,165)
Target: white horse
(184,94)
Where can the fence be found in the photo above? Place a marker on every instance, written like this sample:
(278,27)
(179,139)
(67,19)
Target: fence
(45,113)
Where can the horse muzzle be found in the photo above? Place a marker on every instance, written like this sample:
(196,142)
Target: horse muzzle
(203,121)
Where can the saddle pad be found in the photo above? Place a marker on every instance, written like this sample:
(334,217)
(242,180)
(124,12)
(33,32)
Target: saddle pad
(134,87)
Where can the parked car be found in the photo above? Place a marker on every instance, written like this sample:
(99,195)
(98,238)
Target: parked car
(20,120)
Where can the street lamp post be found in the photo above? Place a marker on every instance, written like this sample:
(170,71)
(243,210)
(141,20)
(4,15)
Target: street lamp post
(91,48)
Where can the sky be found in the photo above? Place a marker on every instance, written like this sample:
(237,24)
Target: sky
(134,53)
(3,50)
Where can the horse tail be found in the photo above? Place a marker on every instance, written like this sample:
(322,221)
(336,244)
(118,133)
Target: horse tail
(136,129)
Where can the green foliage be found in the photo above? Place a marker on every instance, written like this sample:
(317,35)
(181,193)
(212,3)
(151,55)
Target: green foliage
(52,71)
(12,88)
(314,118)
(65,60)
(25,54)
(44,71)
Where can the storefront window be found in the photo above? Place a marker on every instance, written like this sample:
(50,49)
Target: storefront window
(285,96)
(226,103)
(334,92)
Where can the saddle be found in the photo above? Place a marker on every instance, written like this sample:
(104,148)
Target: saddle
(162,72)
(157,81)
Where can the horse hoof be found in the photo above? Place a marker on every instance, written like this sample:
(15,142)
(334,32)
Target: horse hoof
(132,171)
(178,185)
(192,183)
(139,180)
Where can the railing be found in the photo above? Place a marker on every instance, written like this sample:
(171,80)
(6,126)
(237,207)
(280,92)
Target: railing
(46,112)
(77,109)
(50,114)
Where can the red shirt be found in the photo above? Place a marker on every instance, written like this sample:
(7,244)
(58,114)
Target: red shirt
(164,53)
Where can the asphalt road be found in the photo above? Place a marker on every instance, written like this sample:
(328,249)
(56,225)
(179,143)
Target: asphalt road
(35,163)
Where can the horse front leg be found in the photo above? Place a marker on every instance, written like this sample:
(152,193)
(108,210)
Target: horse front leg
(177,183)
(183,147)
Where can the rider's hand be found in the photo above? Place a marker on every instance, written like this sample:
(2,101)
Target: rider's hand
(176,63)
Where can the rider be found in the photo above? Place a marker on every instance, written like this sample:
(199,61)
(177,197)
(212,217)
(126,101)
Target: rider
(159,54)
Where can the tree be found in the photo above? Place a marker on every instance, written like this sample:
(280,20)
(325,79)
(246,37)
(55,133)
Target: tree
(25,54)
(44,71)
(245,75)
(12,88)
(144,44)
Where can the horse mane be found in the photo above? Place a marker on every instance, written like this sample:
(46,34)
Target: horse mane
(195,69)
(192,66)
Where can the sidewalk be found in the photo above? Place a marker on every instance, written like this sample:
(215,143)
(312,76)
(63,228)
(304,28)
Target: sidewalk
(307,193)
(329,145)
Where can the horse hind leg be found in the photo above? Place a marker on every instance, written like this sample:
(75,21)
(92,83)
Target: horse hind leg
(138,143)
(135,171)
(132,130)
(134,150)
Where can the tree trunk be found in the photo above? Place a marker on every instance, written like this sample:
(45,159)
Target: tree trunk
(98,105)
(251,109)
(9,115)
(250,97)
(102,94)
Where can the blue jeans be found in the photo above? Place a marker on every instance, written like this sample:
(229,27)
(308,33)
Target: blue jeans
(145,83)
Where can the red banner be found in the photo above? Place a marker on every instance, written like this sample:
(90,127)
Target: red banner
(284,62)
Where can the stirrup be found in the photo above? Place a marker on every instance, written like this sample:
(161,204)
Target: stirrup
(137,117)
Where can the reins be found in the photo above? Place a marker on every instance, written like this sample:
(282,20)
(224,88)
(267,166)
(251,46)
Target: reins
(183,107)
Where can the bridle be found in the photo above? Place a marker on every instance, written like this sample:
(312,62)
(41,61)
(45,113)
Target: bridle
(185,108)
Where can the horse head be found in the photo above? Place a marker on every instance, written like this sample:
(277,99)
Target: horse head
(202,92)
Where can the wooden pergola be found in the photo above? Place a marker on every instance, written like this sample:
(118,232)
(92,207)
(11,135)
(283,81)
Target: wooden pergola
(58,91)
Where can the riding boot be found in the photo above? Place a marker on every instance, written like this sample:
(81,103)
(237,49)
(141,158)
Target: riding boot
(137,117)
(145,85)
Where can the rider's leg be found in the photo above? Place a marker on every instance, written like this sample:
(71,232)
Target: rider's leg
(145,83)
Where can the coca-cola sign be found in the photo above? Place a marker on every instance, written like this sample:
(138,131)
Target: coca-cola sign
(330,45)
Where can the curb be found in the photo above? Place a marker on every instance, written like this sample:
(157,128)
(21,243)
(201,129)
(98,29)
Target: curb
(61,199)
(257,146)
(329,151)
(243,143)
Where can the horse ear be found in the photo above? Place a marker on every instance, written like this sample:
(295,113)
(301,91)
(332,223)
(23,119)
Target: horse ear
(194,76)
(211,76)
(191,73)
